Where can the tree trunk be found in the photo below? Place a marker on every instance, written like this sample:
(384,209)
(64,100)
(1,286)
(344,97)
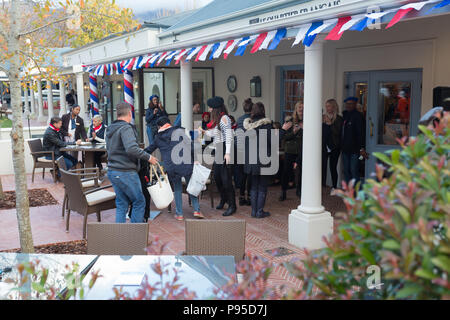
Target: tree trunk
(2,195)
(18,152)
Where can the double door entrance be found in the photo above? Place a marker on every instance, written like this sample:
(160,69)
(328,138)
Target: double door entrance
(390,102)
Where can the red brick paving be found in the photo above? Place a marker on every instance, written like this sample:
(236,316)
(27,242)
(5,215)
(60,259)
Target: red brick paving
(262,234)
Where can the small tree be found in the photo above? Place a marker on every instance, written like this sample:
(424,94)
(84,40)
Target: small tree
(27,30)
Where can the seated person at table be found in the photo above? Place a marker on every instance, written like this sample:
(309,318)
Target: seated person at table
(97,135)
(53,141)
(163,141)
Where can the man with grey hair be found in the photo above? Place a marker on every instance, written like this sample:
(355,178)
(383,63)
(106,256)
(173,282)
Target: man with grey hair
(124,155)
(97,135)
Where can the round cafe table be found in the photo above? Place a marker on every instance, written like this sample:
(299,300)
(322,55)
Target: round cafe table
(88,150)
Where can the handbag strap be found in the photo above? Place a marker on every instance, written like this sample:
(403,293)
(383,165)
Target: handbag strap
(153,169)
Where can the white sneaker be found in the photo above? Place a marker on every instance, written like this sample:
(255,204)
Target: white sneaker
(333,192)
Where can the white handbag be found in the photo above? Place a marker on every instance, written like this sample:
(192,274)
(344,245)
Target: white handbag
(161,192)
(199,177)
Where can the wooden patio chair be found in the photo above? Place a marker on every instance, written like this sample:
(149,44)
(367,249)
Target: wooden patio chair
(90,178)
(215,237)
(85,202)
(38,153)
(117,238)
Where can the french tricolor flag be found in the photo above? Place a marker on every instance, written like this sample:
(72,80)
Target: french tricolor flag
(202,55)
(180,55)
(161,58)
(404,10)
(231,44)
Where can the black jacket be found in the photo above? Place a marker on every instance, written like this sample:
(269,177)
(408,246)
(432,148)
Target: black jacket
(251,166)
(163,142)
(293,142)
(332,134)
(122,146)
(80,131)
(151,118)
(353,132)
(53,141)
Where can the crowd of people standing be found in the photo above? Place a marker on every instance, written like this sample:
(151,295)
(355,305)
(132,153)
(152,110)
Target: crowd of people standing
(126,159)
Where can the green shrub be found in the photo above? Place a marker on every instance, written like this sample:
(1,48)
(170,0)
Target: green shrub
(399,223)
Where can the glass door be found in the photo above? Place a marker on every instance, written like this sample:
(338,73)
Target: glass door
(390,102)
(395,102)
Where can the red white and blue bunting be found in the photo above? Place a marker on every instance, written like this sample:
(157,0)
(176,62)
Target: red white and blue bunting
(268,40)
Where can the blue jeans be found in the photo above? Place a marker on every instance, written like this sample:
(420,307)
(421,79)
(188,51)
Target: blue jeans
(128,189)
(68,159)
(150,135)
(178,189)
(351,166)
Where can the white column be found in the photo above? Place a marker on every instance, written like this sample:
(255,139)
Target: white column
(80,96)
(186,95)
(51,112)
(309,223)
(41,116)
(62,99)
(32,100)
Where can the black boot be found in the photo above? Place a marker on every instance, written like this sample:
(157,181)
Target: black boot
(221,204)
(260,213)
(231,203)
(253,202)
(282,196)
(242,201)
(248,202)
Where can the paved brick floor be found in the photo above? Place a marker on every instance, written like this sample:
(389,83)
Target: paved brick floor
(262,234)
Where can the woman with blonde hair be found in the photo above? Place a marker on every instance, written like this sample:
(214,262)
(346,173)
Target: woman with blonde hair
(331,141)
(292,135)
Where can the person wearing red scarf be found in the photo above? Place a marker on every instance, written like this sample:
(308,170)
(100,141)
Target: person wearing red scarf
(53,141)
(97,135)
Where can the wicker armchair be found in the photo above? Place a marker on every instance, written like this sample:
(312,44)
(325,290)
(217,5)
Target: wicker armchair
(85,202)
(117,238)
(38,153)
(90,178)
(216,237)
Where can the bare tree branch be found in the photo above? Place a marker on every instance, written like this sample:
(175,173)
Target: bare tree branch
(44,26)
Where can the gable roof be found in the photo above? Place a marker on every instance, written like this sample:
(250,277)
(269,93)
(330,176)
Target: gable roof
(225,9)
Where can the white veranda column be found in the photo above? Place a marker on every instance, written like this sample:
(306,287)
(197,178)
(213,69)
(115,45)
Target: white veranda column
(309,223)
(41,117)
(51,112)
(81,99)
(62,98)
(186,95)
(32,100)
(25,98)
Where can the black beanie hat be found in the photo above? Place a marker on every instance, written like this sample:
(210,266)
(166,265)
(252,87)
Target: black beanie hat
(215,102)
(162,121)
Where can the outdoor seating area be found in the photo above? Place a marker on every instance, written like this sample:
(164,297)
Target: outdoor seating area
(192,237)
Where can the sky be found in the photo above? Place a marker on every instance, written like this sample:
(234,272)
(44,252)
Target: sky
(138,5)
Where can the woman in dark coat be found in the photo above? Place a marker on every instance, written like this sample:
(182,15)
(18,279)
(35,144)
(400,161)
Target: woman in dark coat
(331,141)
(154,111)
(163,141)
(292,134)
(258,193)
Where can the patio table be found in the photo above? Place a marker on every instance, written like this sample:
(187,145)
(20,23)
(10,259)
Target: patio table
(55,263)
(201,274)
(88,150)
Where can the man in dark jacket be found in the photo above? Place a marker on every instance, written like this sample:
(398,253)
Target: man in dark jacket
(73,125)
(179,167)
(124,155)
(53,141)
(353,141)
(154,112)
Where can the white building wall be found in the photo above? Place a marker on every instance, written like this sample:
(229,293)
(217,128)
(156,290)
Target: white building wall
(423,43)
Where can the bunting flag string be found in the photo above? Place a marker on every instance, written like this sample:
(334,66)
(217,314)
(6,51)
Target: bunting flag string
(266,40)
